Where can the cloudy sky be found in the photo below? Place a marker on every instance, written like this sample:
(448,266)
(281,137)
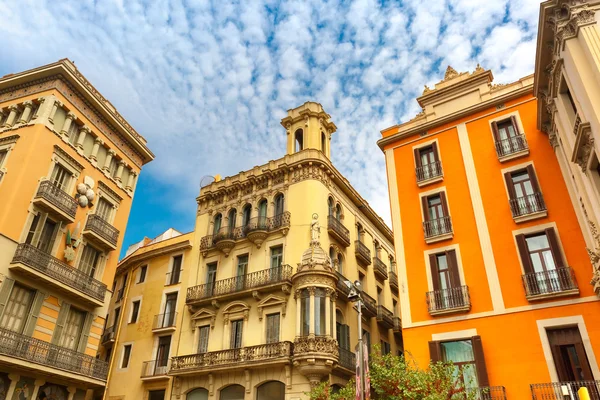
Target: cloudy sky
(207,82)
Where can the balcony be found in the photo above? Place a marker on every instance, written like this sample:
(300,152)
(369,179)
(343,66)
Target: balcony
(55,201)
(120,294)
(380,269)
(363,254)
(438,229)
(101,233)
(29,350)
(385,317)
(429,173)
(347,361)
(339,232)
(553,283)
(108,336)
(240,286)
(512,147)
(224,240)
(564,390)
(38,265)
(489,393)
(528,207)
(397,325)
(155,370)
(394,281)
(246,357)
(448,301)
(341,287)
(369,305)
(164,322)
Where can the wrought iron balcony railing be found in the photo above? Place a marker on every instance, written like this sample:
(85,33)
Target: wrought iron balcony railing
(397,324)
(57,197)
(252,280)
(108,335)
(164,321)
(341,285)
(489,393)
(43,353)
(555,281)
(338,230)
(394,280)
(54,268)
(380,268)
(527,205)
(228,233)
(362,252)
(441,301)
(155,368)
(211,360)
(564,390)
(511,145)
(347,359)
(429,171)
(385,316)
(437,227)
(370,305)
(103,229)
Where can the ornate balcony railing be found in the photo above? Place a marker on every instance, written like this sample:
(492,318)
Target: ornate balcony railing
(155,368)
(43,353)
(370,305)
(108,335)
(57,197)
(489,393)
(337,228)
(210,360)
(380,269)
(166,320)
(429,171)
(54,268)
(527,205)
(385,316)
(341,286)
(347,359)
(511,145)
(394,280)
(120,294)
(279,221)
(100,227)
(362,252)
(253,280)
(457,298)
(437,227)
(228,233)
(397,324)
(564,390)
(550,282)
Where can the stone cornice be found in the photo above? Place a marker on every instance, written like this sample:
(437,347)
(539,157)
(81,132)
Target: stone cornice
(9,139)
(159,251)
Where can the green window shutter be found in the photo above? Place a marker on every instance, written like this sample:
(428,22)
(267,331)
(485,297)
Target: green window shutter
(34,312)
(85,333)
(5,290)
(60,322)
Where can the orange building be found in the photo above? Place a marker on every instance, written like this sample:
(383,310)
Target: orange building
(69,163)
(492,264)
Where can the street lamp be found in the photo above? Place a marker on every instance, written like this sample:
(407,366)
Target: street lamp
(355,296)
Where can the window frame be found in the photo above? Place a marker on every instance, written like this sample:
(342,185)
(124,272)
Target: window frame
(62,158)
(515,118)
(528,167)
(7,145)
(435,354)
(133,315)
(445,206)
(143,272)
(434,144)
(169,276)
(125,359)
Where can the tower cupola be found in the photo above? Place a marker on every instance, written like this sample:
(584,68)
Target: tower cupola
(308,127)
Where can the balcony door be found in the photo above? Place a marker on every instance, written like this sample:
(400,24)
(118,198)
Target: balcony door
(242,270)
(211,278)
(60,177)
(428,161)
(446,280)
(273,328)
(162,355)
(170,307)
(279,204)
(17,308)
(203,334)
(524,192)
(569,355)
(88,263)
(276,263)
(71,333)
(237,327)
(104,209)
(262,214)
(435,210)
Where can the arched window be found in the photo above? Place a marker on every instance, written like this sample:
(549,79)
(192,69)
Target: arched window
(320,305)
(247,214)
(299,139)
(323,142)
(197,394)
(217,224)
(273,390)
(338,212)
(279,204)
(332,256)
(262,213)
(340,262)
(330,206)
(305,311)
(233,392)
(342,331)
(232,218)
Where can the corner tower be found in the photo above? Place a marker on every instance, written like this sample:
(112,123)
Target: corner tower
(308,127)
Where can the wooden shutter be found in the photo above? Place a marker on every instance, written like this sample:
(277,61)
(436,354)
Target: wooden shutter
(510,186)
(513,120)
(346,336)
(435,151)
(34,312)
(552,239)
(418,158)
(60,322)
(584,362)
(203,340)
(435,351)
(435,278)
(5,290)
(482,376)
(524,253)
(453,267)
(559,363)
(495,131)
(444,203)
(85,333)
(533,178)
(425,208)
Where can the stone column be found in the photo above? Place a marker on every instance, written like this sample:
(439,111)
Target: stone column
(119,175)
(311,329)
(71,390)
(36,389)
(97,143)
(109,157)
(226,332)
(42,103)
(333,316)
(14,379)
(13,109)
(298,313)
(82,134)
(327,312)
(132,175)
(67,125)
(55,106)
(26,112)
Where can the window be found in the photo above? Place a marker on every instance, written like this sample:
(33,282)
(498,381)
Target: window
(467,357)
(17,308)
(323,142)
(342,331)
(236,334)
(162,353)
(524,192)
(156,394)
(330,206)
(113,167)
(3,154)
(211,277)
(338,212)
(305,312)
(436,217)
(197,394)
(568,353)
(427,162)
(262,214)
(340,261)
(42,232)
(126,356)
(232,392)
(385,348)
(273,328)
(276,257)
(104,209)
(175,270)
(116,317)
(170,310)
(507,138)
(232,219)
(203,333)
(299,140)
(61,177)
(89,261)
(271,391)
(447,291)
(217,224)
(568,100)
(135,311)
(73,132)
(320,311)
(247,214)
(71,333)
(143,271)
(279,204)
(121,291)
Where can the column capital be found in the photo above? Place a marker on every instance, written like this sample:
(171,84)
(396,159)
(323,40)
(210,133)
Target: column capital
(71,115)
(14,377)
(58,103)
(13,107)
(112,152)
(41,99)
(122,163)
(39,382)
(85,128)
(28,103)
(71,389)
(134,173)
(99,141)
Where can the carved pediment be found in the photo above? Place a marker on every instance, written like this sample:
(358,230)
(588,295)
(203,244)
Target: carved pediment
(204,314)
(236,308)
(271,301)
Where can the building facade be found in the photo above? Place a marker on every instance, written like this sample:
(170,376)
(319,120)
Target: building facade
(262,308)
(567,85)
(493,269)
(69,164)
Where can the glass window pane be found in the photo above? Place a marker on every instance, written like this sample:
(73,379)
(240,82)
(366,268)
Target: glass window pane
(458,351)
(271,391)
(538,242)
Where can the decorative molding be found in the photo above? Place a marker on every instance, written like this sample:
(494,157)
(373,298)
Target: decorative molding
(74,163)
(103,186)
(9,139)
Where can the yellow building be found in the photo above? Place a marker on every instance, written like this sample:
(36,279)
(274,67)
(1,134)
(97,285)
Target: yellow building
(257,307)
(68,168)
(567,85)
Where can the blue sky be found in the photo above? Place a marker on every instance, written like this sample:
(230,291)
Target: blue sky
(206,82)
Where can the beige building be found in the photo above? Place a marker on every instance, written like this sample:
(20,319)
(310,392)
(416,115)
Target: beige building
(567,84)
(252,304)
(69,163)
